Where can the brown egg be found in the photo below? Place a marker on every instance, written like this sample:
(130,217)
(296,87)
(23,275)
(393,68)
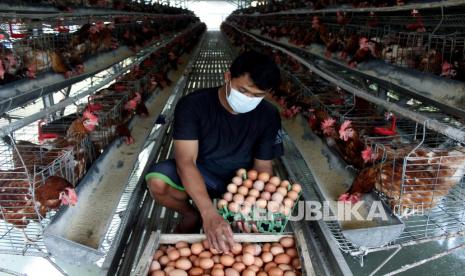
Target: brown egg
(275,271)
(248,259)
(296,188)
(206,263)
(291,252)
(293,195)
(287,242)
(228,196)
(250,200)
(278,197)
(196,271)
(172,264)
(157,255)
(289,203)
(158,273)
(192,258)
(232,188)
(237,180)
(168,269)
(233,207)
(265,195)
(185,252)
(262,273)
(267,257)
(164,260)
(216,259)
(218,266)
(275,180)
(270,265)
(154,266)
(254,268)
(196,248)
(205,254)
(252,175)
(183,263)
(285,184)
(270,188)
(282,258)
(285,267)
(196,262)
(242,190)
(261,203)
(227,260)
(217,272)
(222,203)
(238,198)
(231,272)
(206,244)
(296,263)
(259,185)
(276,250)
(181,244)
(258,262)
(248,272)
(264,177)
(254,192)
(238,259)
(247,183)
(253,249)
(177,272)
(236,249)
(238,266)
(282,191)
(173,255)
(290,273)
(266,247)
(272,206)
(241,172)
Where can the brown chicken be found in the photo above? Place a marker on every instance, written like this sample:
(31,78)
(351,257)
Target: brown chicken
(81,127)
(427,178)
(20,206)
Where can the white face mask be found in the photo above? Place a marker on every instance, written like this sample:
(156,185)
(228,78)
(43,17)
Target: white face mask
(241,103)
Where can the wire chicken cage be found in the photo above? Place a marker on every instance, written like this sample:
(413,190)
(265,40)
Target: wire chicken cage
(433,52)
(62,45)
(29,175)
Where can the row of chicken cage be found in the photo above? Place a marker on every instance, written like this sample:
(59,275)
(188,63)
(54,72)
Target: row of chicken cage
(29,47)
(416,172)
(432,52)
(104,5)
(264,7)
(38,177)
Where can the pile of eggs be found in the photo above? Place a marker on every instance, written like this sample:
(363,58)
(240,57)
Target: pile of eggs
(252,189)
(196,259)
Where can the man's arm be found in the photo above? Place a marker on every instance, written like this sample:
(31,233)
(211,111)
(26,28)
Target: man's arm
(263,166)
(218,231)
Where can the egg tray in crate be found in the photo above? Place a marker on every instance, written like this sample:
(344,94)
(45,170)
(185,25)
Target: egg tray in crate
(275,225)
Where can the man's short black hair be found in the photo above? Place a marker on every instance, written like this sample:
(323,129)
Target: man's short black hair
(262,70)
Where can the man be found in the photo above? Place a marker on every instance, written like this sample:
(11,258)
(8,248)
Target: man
(217,131)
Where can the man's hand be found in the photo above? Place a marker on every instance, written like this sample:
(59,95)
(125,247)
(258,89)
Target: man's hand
(218,231)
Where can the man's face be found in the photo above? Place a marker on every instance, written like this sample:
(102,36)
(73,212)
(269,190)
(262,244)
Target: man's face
(245,85)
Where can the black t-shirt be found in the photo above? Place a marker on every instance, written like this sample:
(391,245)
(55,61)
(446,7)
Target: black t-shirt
(227,141)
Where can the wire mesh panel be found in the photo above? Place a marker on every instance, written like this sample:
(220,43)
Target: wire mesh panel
(34,182)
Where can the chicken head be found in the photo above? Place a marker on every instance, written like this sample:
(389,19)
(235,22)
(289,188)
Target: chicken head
(68,197)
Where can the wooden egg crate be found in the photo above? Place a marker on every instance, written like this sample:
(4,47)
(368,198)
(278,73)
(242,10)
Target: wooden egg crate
(157,239)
